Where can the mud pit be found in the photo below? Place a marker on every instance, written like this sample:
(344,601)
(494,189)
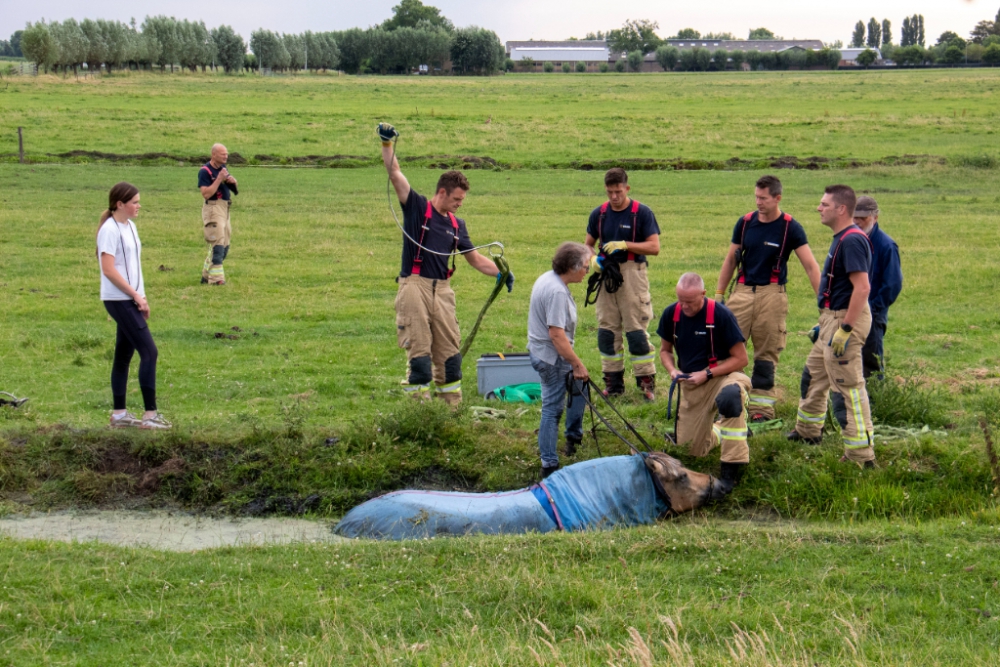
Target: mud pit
(165,531)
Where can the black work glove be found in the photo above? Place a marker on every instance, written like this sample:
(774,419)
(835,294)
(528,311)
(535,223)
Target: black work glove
(386,133)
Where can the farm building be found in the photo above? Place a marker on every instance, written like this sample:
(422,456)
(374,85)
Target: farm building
(849,57)
(530,56)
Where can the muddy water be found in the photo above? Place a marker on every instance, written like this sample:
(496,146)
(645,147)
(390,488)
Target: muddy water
(166,531)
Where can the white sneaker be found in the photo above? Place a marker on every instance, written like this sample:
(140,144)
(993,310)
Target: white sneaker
(127,420)
(156,422)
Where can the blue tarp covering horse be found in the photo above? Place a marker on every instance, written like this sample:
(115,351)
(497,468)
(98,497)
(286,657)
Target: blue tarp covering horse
(595,494)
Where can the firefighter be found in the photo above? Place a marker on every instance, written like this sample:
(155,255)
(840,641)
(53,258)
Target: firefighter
(834,362)
(711,353)
(217,186)
(886,279)
(426,324)
(624,232)
(762,242)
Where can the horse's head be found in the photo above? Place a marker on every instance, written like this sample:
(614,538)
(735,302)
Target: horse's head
(686,489)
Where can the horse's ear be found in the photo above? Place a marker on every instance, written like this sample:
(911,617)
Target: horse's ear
(653,465)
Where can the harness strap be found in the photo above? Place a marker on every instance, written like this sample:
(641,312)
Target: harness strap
(776,271)
(417,259)
(713,361)
(833,262)
(635,221)
(217,195)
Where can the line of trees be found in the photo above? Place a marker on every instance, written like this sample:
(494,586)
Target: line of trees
(161,42)
(416,34)
(11,48)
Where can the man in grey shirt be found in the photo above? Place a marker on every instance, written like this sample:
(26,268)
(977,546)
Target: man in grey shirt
(551,328)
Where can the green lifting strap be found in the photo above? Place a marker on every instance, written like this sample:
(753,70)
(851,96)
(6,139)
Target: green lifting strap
(504,270)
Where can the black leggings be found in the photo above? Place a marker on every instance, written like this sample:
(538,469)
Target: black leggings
(133,336)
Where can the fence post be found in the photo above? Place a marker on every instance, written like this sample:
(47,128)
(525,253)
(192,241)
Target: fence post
(20,144)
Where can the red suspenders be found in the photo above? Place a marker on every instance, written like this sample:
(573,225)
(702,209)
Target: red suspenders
(833,262)
(635,220)
(713,361)
(217,195)
(776,271)
(417,259)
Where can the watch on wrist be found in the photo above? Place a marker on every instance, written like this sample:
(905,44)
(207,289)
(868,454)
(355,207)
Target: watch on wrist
(708,373)
(847,327)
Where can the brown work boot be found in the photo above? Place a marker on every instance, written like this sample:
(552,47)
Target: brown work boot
(452,398)
(647,385)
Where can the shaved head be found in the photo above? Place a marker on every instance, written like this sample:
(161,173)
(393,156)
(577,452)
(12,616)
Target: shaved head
(690,281)
(220,155)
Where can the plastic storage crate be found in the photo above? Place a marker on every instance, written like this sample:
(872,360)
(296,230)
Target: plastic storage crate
(493,371)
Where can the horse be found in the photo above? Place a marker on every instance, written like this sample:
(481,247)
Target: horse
(598,494)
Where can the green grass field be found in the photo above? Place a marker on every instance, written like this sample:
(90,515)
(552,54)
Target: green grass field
(536,119)
(826,565)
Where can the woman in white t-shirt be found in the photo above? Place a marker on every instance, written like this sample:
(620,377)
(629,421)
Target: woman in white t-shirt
(124,297)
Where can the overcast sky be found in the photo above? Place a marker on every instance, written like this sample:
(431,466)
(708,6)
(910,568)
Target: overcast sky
(530,19)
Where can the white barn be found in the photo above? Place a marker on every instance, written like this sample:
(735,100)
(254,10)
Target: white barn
(591,53)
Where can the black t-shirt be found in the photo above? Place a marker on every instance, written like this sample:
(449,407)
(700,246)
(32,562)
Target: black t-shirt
(854,255)
(207,175)
(618,225)
(440,237)
(693,344)
(761,243)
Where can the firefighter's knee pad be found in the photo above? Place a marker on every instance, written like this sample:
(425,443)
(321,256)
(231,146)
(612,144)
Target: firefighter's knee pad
(840,409)
(730,401)
(638,343)
(218,254)
(807,379)
(420,370)
(606,341)
(453,368)
(763,375)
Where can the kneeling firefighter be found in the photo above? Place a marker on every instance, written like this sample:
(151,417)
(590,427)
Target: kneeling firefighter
(711,352)
(426,324)
(625,232)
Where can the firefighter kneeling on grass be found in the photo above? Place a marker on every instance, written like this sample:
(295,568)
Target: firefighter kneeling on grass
(711,353)
(426,324)
(834,363)
(623,231)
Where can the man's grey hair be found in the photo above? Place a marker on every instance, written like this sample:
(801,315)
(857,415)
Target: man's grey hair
(570,256)
(690,280)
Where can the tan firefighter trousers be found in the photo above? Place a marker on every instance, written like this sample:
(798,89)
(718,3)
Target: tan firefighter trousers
(761,311)
(426,325)
(628,310)
(824,373)
(696,420)
(215,218)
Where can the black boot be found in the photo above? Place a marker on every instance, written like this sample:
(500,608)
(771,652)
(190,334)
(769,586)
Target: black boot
(571,445)
(548,471)
(614,383)
(795,436)
(731,474)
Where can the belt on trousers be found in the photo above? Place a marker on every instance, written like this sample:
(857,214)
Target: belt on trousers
(753,288)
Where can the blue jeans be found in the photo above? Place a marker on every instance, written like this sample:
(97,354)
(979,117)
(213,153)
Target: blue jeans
(553,392)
